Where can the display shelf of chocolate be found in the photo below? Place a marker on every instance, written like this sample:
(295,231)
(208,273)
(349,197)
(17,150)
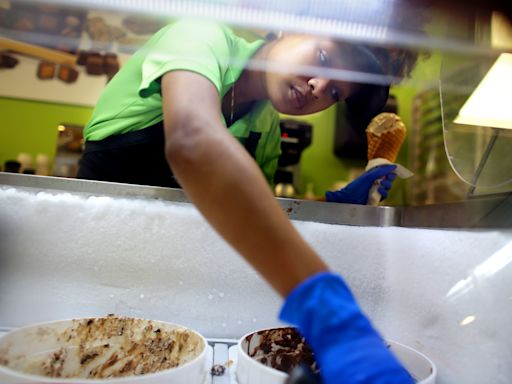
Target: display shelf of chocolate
(83,55)
(67,74)
(52,26)
(7,61)
(97,64)
(282,349)
(102,33)
(118,32)
(94,65)
(110,64)
(141,25)
(45,70)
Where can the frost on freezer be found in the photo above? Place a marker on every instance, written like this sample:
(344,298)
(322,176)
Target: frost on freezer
(91,255)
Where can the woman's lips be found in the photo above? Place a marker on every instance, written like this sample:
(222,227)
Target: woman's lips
(297,98)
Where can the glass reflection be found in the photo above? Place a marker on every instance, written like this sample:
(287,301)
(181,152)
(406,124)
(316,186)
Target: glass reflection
(481,272)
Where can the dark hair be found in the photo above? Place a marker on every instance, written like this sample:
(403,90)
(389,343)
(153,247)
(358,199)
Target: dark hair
(396,62)
(408,18)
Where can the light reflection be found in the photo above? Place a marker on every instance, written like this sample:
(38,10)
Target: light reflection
(346,19)
(495,263)
(338,74)
(467,320)
(482,271)
(461,288)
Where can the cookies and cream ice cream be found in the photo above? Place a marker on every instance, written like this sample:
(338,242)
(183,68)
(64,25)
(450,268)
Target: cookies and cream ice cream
(106,347)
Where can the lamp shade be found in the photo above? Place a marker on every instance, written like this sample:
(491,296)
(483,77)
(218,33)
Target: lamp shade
(490,104)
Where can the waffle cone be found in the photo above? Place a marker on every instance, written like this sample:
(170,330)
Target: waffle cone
(385,134)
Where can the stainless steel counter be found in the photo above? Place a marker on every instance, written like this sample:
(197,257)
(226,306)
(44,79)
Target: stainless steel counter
(490,212)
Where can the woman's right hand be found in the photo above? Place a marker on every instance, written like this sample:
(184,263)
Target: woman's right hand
(347,347)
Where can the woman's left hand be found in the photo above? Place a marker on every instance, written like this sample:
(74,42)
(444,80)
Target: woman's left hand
(357,191)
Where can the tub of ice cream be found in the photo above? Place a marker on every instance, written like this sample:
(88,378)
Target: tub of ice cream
(103,350)
(267,357)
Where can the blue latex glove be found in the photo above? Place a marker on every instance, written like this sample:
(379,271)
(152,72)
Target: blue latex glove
(347,348)
(357,191)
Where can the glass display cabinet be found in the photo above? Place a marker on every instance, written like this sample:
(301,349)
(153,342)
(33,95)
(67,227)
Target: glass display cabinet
(431,268)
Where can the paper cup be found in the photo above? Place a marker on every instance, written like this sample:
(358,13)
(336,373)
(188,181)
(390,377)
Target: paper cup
(250,370)
(103,350)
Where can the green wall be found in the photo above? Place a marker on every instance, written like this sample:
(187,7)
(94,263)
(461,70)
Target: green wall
(31,126)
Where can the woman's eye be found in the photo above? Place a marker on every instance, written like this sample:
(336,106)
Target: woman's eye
(323,57)
(335,94)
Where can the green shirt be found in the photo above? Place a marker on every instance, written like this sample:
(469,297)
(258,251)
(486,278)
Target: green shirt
(132,100)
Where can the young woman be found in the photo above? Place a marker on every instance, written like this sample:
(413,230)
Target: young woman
(125,137)
(185,106)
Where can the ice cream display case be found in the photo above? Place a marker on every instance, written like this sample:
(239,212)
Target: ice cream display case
(79,249)
(432,272)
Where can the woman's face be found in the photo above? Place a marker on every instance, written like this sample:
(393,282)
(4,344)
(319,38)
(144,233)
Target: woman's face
(294,80)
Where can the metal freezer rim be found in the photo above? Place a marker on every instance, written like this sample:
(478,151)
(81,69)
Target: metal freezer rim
(489,212)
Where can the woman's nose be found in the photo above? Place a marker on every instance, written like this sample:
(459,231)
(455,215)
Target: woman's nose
(318,86)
